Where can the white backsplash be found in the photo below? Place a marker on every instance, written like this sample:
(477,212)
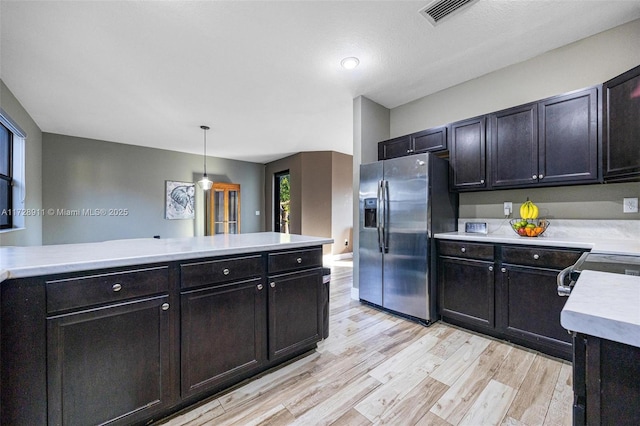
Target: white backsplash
(609,229)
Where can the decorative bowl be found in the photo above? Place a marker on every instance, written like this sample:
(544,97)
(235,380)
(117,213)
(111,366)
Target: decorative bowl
(529,227)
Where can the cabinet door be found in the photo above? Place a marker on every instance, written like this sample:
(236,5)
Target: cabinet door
(621,127)
(429,140)
(568,138)
(109,364)
(393,148)
(468,154)
(295,314)
(514,146)
(530,307)
(467,291)
(223,332)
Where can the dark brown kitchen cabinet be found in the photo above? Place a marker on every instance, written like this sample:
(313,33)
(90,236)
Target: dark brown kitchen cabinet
(430,140)
(295,302)
(606,382)
(514,146)
(466,283)
(223,331)
(467,153)
(505,291)
(109,364)
(568,138)
(550,142)
(621,127)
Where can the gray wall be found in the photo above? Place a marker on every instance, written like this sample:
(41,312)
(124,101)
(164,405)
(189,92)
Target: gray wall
(587,62)
(80,173)
(341,202)
(31,235)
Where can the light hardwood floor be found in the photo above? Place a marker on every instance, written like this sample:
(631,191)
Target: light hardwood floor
(376,368)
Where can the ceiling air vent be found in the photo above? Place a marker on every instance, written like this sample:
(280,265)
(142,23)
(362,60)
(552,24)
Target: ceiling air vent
(440,9)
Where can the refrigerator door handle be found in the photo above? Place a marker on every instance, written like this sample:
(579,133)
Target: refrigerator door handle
(379,225)
(385,217)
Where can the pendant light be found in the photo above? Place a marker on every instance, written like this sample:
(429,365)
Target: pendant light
(205,183)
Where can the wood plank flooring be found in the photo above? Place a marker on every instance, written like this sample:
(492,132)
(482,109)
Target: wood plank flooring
(378,369)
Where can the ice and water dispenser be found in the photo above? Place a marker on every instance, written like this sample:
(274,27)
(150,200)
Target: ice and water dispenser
(370,212)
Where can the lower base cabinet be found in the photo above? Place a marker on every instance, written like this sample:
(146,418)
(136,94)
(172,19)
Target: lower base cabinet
(606,382)
(223,331)
(132,345)
(110,364)
(506,291)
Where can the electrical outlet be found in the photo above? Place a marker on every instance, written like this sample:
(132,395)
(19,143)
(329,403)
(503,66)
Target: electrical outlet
(630,205)
(508,208)
(257,212)
(346,242)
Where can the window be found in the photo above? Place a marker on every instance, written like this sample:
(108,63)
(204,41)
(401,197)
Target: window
(12,174)
(6,177)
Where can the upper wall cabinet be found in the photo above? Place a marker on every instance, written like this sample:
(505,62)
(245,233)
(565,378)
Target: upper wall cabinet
(550,142)
(430,140)
(467,154)
(621,127)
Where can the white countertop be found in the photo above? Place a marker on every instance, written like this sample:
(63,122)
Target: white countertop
(605,305)
(19,262)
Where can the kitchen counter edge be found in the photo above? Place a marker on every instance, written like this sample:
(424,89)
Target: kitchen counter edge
(32,261)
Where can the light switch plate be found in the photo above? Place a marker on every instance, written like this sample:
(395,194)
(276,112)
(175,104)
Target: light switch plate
(630,205)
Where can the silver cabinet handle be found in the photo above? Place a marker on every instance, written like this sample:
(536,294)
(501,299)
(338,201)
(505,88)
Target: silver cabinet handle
(481,180)
(534,177)
(464,250)
(408,151)
(272,284)
(299,260)
(165,306)
(536,257)
(117,287)
(225,271)
(503,269)
(260,286)
(491,268)
(540,176)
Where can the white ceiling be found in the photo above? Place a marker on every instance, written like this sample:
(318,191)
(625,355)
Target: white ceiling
(264,75)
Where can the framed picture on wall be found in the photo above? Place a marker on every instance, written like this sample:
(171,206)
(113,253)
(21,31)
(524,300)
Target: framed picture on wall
(179,200)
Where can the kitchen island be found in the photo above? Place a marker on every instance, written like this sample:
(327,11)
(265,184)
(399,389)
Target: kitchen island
(128,331)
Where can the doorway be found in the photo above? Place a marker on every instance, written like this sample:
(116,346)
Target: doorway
(282,201)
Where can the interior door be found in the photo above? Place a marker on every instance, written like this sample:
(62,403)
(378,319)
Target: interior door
(224,209)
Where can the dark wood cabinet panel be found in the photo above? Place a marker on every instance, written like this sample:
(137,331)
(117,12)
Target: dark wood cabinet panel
(295,314)
(466,249)
(530,307)
(621,127)
(285,261)
(568,138)
(514,146)
(429,140)
(606,382)
(466,290)
(468,154)
(199,274)
(539,257)
(109,364)
(224,331)
(393,148)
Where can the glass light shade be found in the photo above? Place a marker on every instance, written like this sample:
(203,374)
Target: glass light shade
(205,183)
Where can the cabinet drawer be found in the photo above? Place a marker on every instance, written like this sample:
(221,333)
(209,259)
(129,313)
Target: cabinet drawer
(292,260)
(73,293)
(466,250)
(220,271)
(541,257)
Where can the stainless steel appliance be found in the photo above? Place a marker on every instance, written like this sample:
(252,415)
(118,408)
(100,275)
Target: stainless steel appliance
(403,202)
(613,263)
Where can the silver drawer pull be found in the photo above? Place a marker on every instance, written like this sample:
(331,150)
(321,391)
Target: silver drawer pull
(536,257)
(260,286)
(464,250)
(534,177)
(491,268)
(299,260)
(117,287)
(165,306)
(503,269)
(225,271)
(272,284)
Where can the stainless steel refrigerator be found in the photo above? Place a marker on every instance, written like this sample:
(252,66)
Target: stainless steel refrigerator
(403,202)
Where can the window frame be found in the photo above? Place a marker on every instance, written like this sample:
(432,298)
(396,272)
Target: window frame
(7,209)
(17,159)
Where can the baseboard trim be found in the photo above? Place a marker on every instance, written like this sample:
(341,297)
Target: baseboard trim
(355,293)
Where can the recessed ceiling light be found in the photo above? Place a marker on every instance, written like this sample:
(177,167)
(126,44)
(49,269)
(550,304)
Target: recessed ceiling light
(349,63)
